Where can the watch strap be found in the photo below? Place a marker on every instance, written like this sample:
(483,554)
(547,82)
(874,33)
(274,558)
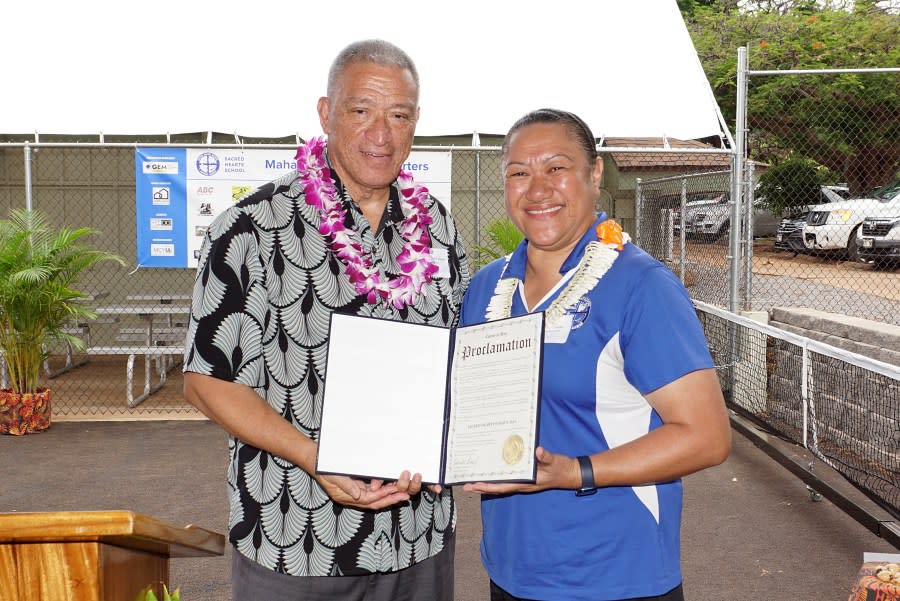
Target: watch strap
(587,477)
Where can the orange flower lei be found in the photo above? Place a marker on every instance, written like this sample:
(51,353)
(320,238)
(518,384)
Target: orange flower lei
(610,232)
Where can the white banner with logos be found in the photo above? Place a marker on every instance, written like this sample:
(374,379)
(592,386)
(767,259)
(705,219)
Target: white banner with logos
(179,191)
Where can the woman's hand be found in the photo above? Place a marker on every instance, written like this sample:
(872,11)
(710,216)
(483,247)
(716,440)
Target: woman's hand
(553,471)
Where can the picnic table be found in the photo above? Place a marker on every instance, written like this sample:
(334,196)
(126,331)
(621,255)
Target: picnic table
(159,345)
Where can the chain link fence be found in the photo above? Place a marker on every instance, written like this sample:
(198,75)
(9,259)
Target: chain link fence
(826,150)
(843,407)
(132,368)
(819,228)
(686,223)
(819,209)
(94,185)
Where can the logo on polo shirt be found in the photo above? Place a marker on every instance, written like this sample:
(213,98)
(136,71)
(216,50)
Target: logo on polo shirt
(579,312)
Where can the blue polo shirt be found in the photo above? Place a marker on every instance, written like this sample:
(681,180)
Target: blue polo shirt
(635,332)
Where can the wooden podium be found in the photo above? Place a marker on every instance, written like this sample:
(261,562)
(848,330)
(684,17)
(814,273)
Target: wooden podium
(93,555)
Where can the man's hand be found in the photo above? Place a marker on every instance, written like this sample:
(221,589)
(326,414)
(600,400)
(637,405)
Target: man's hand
(376,494)
(356,493)
(410,484)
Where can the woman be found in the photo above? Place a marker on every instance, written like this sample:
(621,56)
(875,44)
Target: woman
(630,400)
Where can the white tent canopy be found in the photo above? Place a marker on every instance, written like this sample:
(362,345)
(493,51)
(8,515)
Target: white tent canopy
(256,69)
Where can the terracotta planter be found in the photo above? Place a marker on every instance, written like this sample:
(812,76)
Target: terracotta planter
(24,413)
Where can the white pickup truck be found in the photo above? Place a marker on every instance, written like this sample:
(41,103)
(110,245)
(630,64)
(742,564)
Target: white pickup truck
(878,240)
(834,227)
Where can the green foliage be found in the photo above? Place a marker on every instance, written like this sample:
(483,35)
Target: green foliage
(689,7)
(848,122)
(788,186)
(151,596)
(504,237)
(39,269)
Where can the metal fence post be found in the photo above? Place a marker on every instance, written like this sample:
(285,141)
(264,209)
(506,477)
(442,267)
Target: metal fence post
(750,204)
(28,193)
(736,180)
(682,235)
(638,201)
(478,202)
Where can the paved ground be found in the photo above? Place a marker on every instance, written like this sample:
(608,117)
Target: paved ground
(751,530)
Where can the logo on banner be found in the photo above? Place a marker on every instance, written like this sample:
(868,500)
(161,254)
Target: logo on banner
(238,192)
(208,164)
(160,195)
(169,167)
(162,250)
(161,224)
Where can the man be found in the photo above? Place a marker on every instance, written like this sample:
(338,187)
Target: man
(340,233)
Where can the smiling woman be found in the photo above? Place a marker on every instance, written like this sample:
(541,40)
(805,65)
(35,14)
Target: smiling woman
(551,187)
(630,402)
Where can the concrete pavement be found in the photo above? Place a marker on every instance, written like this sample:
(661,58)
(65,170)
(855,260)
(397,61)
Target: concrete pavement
(751,530)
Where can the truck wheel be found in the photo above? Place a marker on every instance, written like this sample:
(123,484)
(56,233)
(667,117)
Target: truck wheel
(723,231)
(852,248)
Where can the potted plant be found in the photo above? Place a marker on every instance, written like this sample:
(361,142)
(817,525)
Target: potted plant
(39,271)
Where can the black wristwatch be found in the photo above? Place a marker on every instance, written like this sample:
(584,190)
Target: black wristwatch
(587,477)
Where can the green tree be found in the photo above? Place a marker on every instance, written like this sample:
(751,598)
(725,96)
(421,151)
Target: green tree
(849,123)
(790,185)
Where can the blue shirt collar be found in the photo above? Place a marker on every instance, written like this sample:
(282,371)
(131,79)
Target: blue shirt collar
(515,268)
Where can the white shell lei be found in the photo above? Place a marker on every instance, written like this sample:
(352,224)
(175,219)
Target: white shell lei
(598,258)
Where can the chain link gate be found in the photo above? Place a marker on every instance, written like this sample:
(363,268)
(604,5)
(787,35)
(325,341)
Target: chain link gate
(825,148)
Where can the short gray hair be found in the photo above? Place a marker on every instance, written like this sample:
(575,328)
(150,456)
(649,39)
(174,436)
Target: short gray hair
(379,52)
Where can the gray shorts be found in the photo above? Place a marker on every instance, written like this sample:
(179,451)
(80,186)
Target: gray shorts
(429,580)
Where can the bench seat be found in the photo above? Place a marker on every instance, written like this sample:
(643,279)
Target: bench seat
(163,335)
(158,354)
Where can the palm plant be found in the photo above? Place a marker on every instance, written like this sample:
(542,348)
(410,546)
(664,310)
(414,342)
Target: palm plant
(504,237)
(39,272)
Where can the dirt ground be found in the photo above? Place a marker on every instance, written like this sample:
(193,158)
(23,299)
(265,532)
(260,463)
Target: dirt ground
(881,281)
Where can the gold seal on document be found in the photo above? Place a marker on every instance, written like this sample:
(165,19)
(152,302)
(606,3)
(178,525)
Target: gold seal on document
(513,449)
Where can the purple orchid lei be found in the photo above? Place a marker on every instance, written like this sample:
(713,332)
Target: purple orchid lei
(414,260)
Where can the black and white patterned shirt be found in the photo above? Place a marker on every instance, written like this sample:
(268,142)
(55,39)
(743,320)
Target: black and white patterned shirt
(265,288)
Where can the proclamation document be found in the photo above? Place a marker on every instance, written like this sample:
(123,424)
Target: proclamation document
(495,393)
(455,405)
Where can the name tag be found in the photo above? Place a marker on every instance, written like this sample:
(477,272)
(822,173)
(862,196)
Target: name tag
(558,332)
(442,260)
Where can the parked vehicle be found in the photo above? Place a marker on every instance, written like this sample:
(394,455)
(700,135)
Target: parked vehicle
(878,240)
(789,236)
(710,219)
(833,227)
(693,209)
